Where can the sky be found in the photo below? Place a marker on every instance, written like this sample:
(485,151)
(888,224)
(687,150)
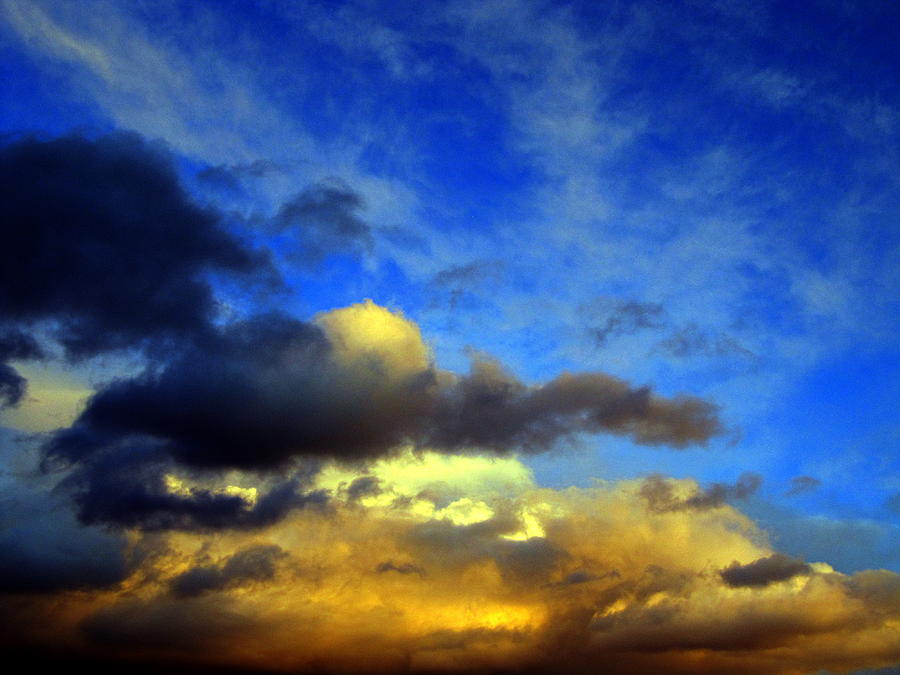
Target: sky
(450,337)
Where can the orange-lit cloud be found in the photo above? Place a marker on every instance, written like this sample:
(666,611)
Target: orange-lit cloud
(465,564)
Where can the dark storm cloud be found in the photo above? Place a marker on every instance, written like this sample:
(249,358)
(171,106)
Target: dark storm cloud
(12,386)
(15,344)
(30,563)
(43,549)
(257,563)
(125,486)
(801,485)
(265,391)
(102,240)
(106,250)
(247,398)
(765,571)
(661,496)
(173,624)
(628,317)
(324,218)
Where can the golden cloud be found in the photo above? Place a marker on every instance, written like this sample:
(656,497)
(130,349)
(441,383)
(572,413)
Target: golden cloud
(464,564)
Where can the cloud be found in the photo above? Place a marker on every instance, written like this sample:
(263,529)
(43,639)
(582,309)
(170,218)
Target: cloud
(490,408)
(402,568)
(356,383)
(245,566)
(599,583)
(323,219)
(15,344)
(12,386)
(179,626)
(133,485)
(864,543)
(362,487)
(466,275)
(769,570)
(801,485)
(103,242)
(691,341)
(230,177)
(663,495)
(458,279)
(43,549)
(627,317)
(172,89)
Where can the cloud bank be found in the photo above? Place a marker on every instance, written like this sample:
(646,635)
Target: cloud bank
(353,384)
(509,577)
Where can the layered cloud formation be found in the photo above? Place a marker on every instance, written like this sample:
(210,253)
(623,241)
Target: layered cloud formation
(132,255)
(463,564)
(319,494)
(353,384)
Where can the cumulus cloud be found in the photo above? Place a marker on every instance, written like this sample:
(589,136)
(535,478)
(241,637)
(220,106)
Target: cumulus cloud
(102,241)
(531,578)
(260,392)
(355,383)
(131,485)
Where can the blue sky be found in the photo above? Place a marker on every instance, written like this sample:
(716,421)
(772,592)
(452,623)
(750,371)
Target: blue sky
(700,197)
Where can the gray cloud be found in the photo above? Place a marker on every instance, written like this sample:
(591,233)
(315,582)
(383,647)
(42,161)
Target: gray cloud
(692,341)
(489,408)
(124,485)
(801,485)
(402,568)
(627,317)
(265,392)
(323,219)
(661,497)
(772,569)
(363,486)
(460,279)
(257,563)
(110,273)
